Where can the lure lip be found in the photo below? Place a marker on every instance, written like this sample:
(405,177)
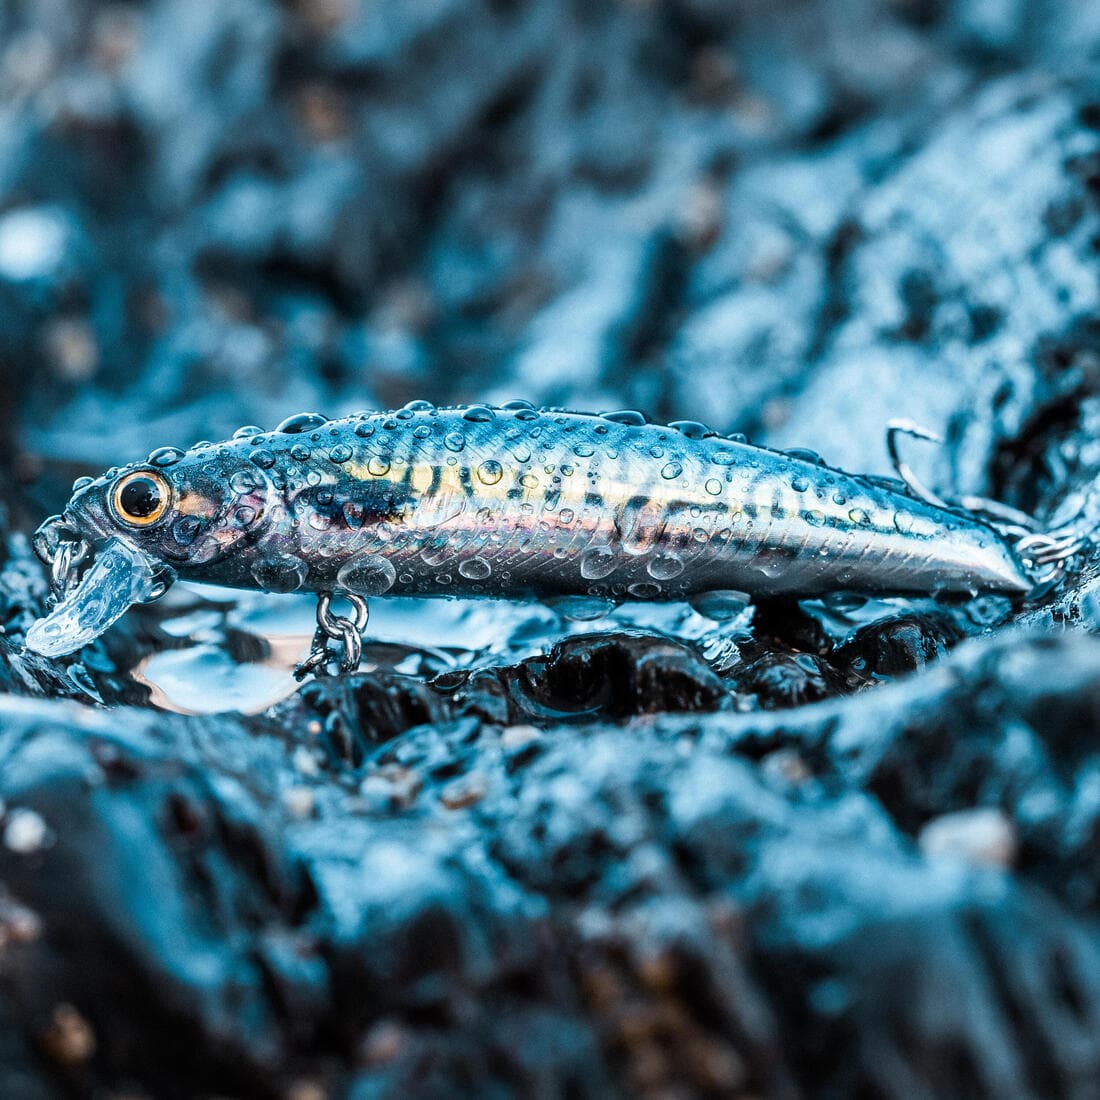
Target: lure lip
(120,576)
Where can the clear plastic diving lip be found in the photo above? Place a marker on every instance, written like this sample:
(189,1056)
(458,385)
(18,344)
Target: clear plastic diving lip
(120,576)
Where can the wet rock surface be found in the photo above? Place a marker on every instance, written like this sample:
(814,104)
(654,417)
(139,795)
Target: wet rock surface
(829,849)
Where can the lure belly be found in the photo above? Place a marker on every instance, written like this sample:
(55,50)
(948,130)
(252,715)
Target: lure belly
(506,502)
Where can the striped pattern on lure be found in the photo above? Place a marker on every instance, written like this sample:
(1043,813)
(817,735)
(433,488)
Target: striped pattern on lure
(504,502)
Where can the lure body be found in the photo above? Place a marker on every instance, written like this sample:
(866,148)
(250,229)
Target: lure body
(516,501)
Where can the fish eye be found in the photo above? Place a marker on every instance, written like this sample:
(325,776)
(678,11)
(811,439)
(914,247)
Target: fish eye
(139,499)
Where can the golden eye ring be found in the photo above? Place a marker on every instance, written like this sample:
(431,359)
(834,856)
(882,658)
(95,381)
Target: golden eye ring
(140,498)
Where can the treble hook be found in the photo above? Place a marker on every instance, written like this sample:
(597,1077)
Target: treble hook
(1047,552)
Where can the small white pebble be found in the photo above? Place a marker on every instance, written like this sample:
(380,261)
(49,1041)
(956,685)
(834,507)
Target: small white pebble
(982,836)
(305,761)
(25,832)
(299,802)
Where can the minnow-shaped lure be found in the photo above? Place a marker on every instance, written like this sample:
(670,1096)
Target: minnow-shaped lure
(509,502)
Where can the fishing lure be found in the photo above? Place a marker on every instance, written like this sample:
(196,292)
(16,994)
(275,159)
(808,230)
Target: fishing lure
(508,502)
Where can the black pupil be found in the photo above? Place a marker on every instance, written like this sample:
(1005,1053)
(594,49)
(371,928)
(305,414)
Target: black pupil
(139,498)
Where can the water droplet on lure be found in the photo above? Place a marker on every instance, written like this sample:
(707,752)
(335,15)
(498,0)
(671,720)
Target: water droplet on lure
(422,431)
(301,422)
(340,453)
(584,450)
(185,529)
(454,441)
(243,482)
(165,456)
(264,459)
(800,484)
(664,567)
(369,576)
(671,470)
(814,517)
(713,486)
(720,605)
(630,417)
(300,452)
(476,569)
(581,609)
(478,414)
(378,466)
(903,521)
(247,432)
(692,429)
(364,429)
(489,473)
(598,562)
(319,521)
(858,515)
(644,590)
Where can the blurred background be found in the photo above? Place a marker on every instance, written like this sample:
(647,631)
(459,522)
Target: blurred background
(497,862)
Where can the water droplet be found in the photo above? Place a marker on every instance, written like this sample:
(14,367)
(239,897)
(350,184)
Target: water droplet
(324,496)
(165,456)
(581,609)
(369,576)
(584,450)
(301,422)
(664,567)
(671,470)
(417,406)
(364,429)
(521,453)
(478,414)
(713,486)
(770,564)
(814,517)
(436,552)
(804,454)
(529,481)
(598,562)
(244,481)
(903,521)
(839,498)
(281,573)
(319,521)
(567,470)
(378,466)
(354,513)
(721,605)
(511,406)
(700,534)
(626,416)
(313,477)
(185,529)
(692,429)
(264,459)
(644,590)
(489,473)
(247,432)
(81,482)
(476,569)
(657,451)
(340,453)
(300,452)
(422,431)
(566,515)
(800,484)
(454,441)
(858,515)
(526,414)
(244,515)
